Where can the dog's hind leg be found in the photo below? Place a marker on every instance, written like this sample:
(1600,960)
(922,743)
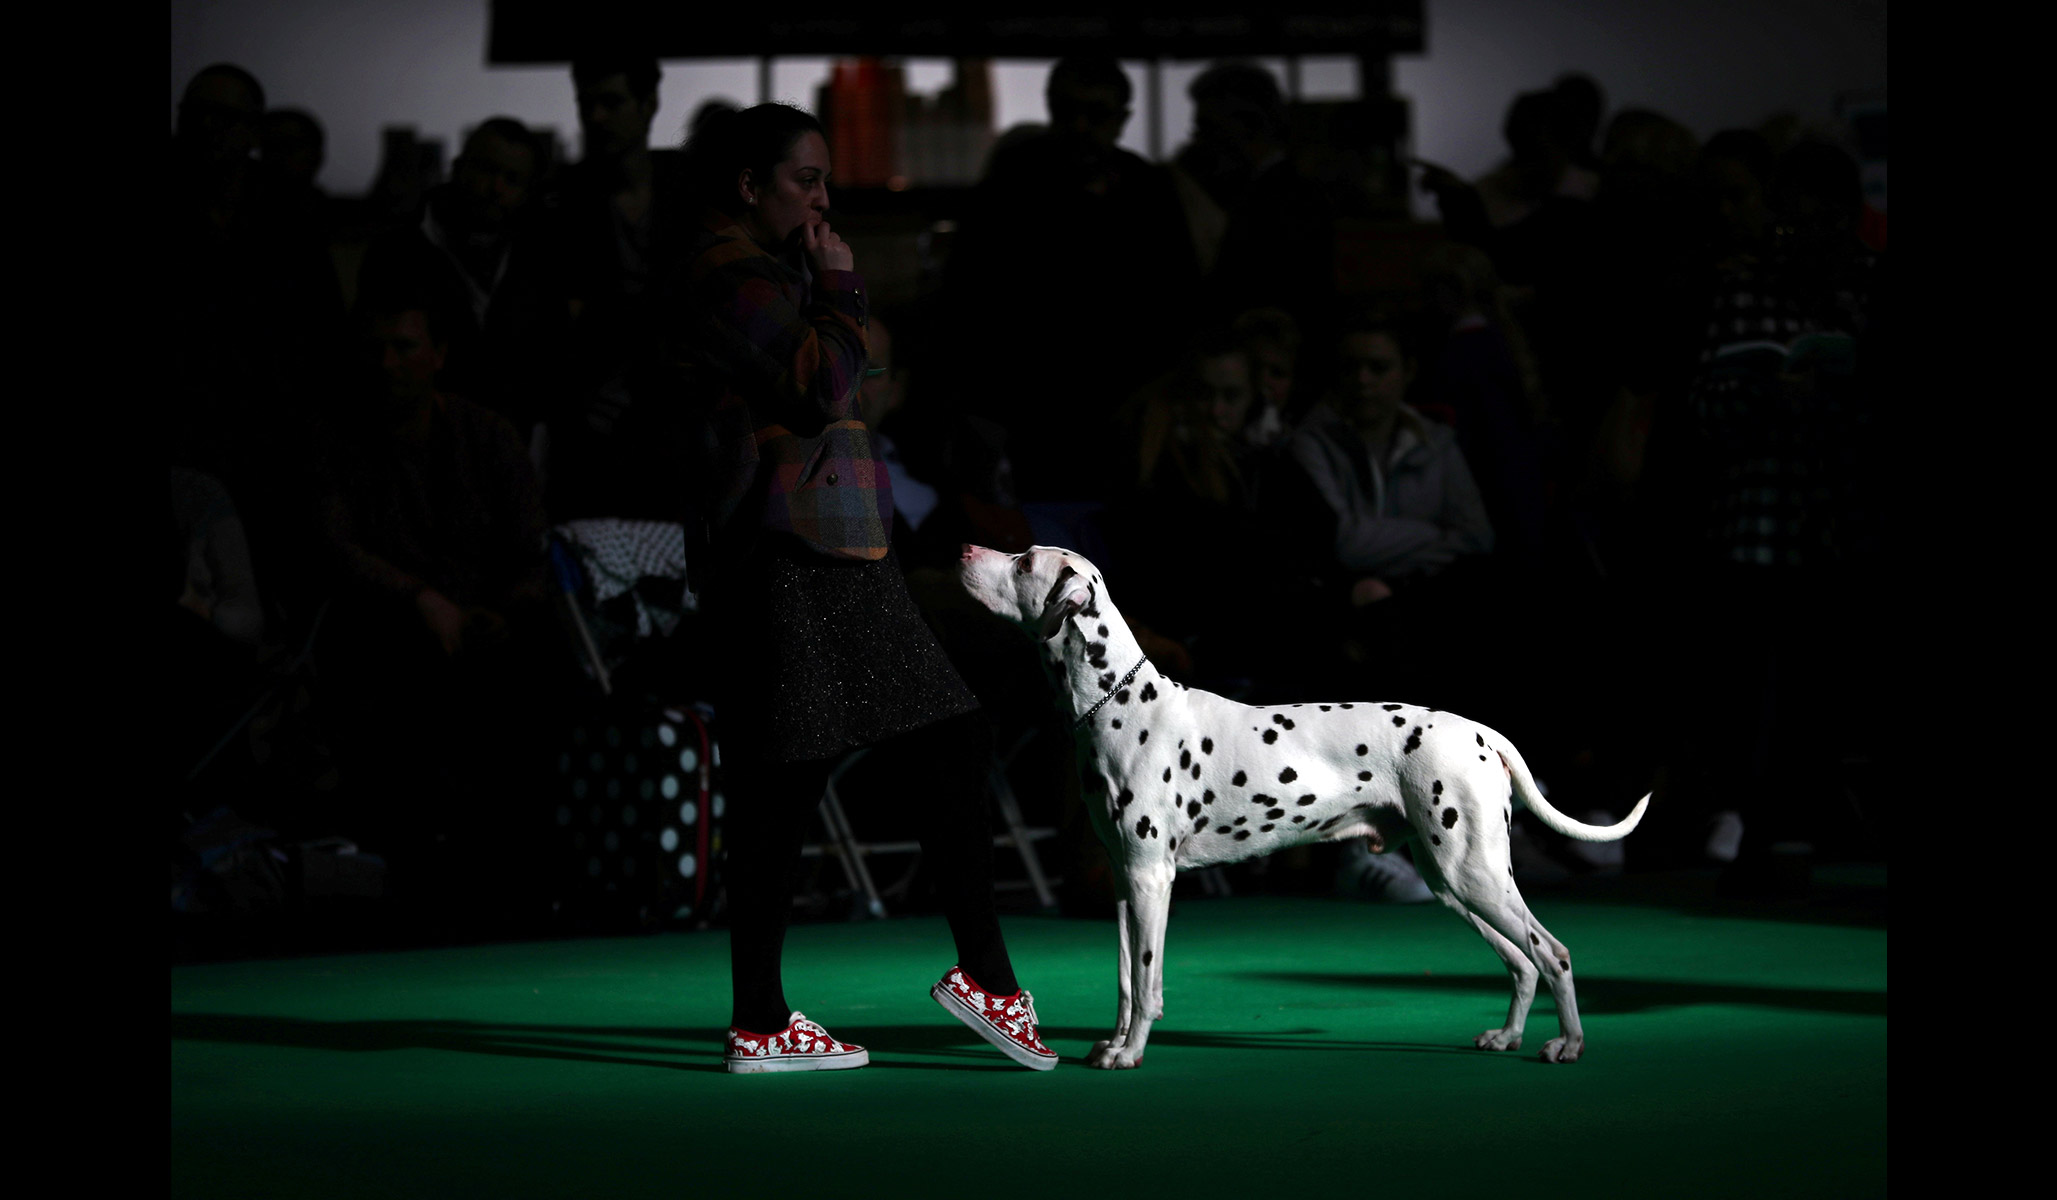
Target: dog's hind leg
(1507,1037)
(1470,852)
(1504,911)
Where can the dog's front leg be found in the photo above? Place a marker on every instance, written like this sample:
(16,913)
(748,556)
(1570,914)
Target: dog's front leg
(1107,1050)
(1148,907)
(1126,934)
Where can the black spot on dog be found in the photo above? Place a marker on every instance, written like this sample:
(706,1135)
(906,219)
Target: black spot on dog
(1206,745)
(1196,770)
(1103,631)
(1481,738)
(1482,758)
(1147,956)
(1564,963)
(1450,817)
(1241,834)
(1106,680)
(1435,840)
(1399,721)
(1304,801)
(1185,759)
(1324,708)
(1288,775)
(1270,736)
(1167,774)
(1149,692)
(1122,800)
(1364,776)
(1413,741)
(1200,824)
(1274,815)
(1143,826)
(1533,940)
(1143,737)
(1266,828)
(1438,788)
(1192,808)
(1261,798)
(1238,780)
(1241,820)
(1207,797)
(1348,707)
(1330,821)
(1117,722)
(1392,707)
(1121,697)
(1298,819)
(1277,719)
(1362,749)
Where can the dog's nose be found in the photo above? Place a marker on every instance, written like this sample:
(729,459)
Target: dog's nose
(970,552)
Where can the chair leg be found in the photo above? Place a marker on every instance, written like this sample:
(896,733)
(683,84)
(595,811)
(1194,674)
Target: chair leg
(1018,835)
(845,845)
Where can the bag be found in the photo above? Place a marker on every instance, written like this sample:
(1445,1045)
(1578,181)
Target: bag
(637,821)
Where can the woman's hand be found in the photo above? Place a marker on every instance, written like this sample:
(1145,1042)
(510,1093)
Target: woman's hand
(1369,591)
(825,250)
(444,619)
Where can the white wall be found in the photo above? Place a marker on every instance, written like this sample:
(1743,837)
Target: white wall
(360,65)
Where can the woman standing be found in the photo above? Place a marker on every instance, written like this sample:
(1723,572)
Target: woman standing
(823,649)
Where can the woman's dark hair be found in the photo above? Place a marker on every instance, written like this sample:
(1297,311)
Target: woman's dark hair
(725,144)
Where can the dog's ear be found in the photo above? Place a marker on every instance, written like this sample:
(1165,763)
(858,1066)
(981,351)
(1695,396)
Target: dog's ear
(1071,593)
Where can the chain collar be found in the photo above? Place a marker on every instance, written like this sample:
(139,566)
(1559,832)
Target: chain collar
(1088,715)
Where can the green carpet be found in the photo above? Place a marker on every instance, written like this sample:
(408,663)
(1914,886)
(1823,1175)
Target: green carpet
(1306,1044)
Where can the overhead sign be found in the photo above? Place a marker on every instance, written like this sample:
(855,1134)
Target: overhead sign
(551,31)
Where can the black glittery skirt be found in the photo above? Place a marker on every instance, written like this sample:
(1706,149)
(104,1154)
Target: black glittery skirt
(819,656)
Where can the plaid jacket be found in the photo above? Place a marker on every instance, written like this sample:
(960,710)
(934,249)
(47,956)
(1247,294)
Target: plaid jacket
(779,360)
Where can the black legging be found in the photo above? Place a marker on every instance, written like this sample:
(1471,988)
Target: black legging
(771,808)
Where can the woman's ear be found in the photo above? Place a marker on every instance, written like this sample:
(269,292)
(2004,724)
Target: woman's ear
(746,189)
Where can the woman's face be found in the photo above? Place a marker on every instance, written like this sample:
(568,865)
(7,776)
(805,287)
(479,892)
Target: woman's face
(1372,376)
(796,194)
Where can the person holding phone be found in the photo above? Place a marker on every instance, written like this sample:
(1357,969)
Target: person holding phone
(822,649)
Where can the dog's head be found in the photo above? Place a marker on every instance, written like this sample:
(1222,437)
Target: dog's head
(1038,589)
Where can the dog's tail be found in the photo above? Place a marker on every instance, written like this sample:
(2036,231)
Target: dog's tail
(1531,797)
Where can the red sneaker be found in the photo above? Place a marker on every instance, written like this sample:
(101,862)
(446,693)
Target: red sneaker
(1008,1022)
(800,1046)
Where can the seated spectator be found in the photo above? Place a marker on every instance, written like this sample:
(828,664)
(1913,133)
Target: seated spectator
(1400,520)
(1403,500)
(472,240)
(441,645)
(1271,338)
(1196,500)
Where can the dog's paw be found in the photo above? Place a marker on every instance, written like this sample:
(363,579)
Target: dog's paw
(1497,1039)
(1563,1050)
(1112,1055)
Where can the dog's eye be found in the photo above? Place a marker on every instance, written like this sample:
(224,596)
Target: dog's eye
(1022,564)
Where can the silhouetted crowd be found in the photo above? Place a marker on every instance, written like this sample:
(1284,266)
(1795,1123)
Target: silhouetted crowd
(1602,472)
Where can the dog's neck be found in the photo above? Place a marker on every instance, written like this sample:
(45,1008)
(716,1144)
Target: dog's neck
(1088,664)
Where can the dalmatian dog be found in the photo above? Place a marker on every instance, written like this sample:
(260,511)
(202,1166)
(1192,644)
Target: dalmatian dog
(1177,778)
